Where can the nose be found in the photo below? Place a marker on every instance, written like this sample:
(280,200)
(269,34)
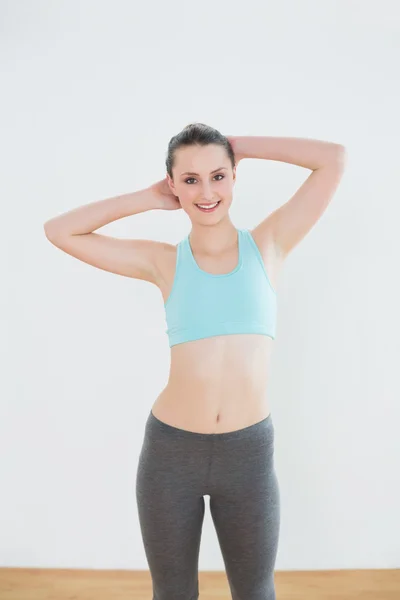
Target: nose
(207,193)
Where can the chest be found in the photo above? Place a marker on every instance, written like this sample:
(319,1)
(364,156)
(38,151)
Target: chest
(225,263)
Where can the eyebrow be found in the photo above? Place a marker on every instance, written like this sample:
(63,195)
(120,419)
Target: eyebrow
(191,172)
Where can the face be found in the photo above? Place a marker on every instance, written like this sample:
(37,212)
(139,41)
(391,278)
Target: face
(203,175)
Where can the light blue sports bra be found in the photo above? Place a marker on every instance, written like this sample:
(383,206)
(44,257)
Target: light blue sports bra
(202,305)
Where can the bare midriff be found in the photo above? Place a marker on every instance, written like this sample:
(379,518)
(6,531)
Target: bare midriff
(217,384)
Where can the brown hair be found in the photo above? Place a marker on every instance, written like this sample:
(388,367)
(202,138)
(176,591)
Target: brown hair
(200,134)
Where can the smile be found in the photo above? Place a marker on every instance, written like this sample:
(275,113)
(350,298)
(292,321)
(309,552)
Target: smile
(208,207)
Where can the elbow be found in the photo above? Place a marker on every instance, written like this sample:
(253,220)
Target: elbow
(341,153)
(338,158)
(48,230)
(52,231)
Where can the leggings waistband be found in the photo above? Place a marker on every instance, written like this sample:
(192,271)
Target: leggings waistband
(252,431)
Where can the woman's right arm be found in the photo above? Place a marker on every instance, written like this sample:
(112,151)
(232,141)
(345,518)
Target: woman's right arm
(73,232)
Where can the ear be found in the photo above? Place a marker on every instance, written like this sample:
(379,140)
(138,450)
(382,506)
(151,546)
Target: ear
(171,184)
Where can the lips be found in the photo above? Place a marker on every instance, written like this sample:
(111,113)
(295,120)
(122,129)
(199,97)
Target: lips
(213,205)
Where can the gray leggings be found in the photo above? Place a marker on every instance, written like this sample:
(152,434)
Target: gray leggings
(176,469)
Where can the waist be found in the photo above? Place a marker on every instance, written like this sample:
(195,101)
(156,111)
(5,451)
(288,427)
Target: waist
(216,389)
(223,377)
(210,410)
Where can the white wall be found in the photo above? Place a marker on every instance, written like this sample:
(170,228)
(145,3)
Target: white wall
(91,94)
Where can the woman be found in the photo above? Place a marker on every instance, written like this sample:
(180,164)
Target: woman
(210,430)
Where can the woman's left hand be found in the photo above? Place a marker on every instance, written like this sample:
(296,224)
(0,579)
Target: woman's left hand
(238,155)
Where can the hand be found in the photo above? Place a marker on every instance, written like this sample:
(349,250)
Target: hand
(238,155)
(164,198)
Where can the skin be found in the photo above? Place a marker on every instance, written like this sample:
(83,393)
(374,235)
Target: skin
(216,384)
(214,232)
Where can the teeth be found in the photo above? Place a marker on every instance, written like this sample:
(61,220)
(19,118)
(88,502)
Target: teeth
(207,206)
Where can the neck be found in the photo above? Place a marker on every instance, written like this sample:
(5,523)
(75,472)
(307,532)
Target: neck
(212,239)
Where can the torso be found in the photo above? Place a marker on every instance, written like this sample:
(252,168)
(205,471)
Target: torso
(218,384)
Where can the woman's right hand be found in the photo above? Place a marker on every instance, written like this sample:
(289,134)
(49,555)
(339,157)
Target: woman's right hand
(162,194)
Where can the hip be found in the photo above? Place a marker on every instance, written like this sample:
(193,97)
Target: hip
(177,463)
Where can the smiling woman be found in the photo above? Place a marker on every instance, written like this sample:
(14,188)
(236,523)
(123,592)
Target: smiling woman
(210,430)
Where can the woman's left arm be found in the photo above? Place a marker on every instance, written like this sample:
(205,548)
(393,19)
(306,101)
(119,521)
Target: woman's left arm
(289,223)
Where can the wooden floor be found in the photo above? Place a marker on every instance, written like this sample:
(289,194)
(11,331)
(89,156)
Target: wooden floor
(56,584)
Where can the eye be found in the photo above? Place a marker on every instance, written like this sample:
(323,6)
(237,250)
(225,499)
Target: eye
(192,178)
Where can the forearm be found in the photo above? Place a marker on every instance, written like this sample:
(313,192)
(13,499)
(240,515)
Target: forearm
(89,217)
(309,153)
